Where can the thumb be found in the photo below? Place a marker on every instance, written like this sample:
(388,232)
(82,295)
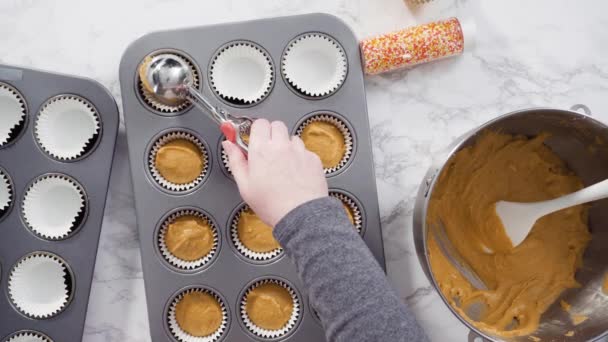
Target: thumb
(237,162)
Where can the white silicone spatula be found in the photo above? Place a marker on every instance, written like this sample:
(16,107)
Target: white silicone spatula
(518,218)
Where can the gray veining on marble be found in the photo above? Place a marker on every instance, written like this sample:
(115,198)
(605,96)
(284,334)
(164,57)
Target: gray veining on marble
(529,53)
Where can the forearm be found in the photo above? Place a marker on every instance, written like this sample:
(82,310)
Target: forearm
(346,285)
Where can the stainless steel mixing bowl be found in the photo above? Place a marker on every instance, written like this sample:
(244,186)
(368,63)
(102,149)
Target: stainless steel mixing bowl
(582,142)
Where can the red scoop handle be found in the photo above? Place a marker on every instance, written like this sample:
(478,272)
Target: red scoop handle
(229,131)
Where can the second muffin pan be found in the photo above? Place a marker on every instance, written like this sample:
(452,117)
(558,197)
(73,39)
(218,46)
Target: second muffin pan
(57,136)
(304,70)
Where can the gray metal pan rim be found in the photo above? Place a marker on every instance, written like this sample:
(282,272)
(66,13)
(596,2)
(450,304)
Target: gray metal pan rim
(25,331)
(98,137)
(64,263)
(8,210)
(138,94)
(190,287)
(348,125)
(178,270)
(148,150)
(219,50)
(242,295)
(313,312)
(359,206)
(74,230)
(236,252)
(296,91)
(25,118)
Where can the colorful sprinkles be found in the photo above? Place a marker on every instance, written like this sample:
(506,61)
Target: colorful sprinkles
(411,46)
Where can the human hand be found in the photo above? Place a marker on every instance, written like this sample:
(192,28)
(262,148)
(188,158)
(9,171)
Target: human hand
(279,174)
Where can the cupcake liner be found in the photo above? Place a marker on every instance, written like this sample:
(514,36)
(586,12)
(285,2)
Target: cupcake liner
(160,142)
(357,216)
(14,111)
(67,126)
(315,64)
(182,335)
(6,192)
(37,285)
(246,252)
(265,333)
(225,161)
(348,138)
(150,99)
(242,72)
(53,205)
(177,262)
(28,336)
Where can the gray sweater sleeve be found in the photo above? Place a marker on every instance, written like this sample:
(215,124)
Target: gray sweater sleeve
(344,281)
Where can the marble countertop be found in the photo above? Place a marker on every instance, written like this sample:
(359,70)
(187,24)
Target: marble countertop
(529,53)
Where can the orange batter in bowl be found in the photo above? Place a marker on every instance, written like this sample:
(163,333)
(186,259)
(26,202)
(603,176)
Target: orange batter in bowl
(523,281)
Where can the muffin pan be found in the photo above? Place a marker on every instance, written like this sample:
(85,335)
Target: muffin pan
(55,162)
(229,274)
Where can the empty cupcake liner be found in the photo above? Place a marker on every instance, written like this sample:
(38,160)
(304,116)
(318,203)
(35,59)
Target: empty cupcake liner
(348,137)
(53,205)
(315,64)
(182,335)
(357,216)
(6,192)
(150,99)
(160,142)
(246,252)
(28,336)
(242,73)
(265,333)
(67,126)
(14,111)
(37,285)
(175,261)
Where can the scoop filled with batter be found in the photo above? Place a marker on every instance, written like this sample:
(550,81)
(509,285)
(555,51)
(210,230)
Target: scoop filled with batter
(523,281)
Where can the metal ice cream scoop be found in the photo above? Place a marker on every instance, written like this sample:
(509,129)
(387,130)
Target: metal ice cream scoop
(169,78)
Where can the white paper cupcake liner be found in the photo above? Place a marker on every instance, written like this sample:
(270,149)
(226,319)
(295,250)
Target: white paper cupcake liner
(242,72)
(177,262)
(246,252)
(67,126)
(348,137)
(28,336)
(315,64)
(160,142)
(6,191)
(357,216)
(13,113)
(37,285)
(225,160)
(150,99)
(182,335)
(52,206)
(265,333)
